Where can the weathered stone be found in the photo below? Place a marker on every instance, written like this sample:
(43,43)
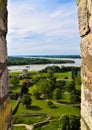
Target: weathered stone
(89,7)
(86,46)
(3,52)
(86,77)
(85,28)
(5,107)
(78,1)
(86,111)
(83,18)
(5,111)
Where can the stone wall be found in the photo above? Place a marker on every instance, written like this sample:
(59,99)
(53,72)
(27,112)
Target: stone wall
(85,29)
(5,108)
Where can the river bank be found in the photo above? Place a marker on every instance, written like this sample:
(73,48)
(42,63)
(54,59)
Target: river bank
(37,67)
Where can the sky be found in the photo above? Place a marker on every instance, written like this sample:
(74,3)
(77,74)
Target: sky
(42,27)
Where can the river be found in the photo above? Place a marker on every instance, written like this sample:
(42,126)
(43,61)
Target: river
(43,66)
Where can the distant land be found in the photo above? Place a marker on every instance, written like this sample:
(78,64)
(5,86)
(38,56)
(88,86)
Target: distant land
(47,56)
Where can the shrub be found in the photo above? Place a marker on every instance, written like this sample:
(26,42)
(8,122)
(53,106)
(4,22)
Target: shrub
(50,104)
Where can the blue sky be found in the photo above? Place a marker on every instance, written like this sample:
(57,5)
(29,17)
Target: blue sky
(42,27)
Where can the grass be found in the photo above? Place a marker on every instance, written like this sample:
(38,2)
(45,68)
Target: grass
(28,120)
(13,102)
(65,98)
(40,106)
(15,73)
(19,128)
(15,89)
(63,75)
(32,88)
(78,87)
(53,125)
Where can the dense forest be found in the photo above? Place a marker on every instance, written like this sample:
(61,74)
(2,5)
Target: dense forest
(27,61)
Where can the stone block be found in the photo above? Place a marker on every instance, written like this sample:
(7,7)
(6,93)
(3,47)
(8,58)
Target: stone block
(5,113)
(83,18)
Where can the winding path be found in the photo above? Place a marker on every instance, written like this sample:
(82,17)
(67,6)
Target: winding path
(28,127)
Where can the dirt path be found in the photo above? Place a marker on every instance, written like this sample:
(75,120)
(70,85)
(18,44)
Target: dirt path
(28,127)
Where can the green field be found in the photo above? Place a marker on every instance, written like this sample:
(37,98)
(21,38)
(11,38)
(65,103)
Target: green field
(19,128)
(64,106)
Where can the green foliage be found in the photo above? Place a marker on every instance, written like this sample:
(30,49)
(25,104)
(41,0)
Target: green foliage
(60,84)
(36,93)
(14,81)
(65,123)
(74,97)
(70,122)
(19,128)
(50,103)
(78,79)
(45,87)
(70,86)
(57,94)
(26,100)
(28,120)
(41,107)
(27,61)
(23,90)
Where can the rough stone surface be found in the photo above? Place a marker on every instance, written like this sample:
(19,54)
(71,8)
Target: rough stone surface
(86,110)
(89,7)
(5,108)
(83,18)
(5,116)
(78,1)
(85,28)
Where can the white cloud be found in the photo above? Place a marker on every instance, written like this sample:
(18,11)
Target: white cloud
(52,26)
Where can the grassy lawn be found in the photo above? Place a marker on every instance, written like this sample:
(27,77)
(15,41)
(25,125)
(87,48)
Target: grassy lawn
(15,90)
(55,124)
(65,98)
(19,128)
(15,73)
(78,87)
(32,88)
(13,102)
(28,120)
(63,75)
(40,106)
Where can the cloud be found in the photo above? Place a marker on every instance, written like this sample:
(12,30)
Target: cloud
(37,30)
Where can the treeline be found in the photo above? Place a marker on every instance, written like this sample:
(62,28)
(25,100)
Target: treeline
(61,69)
(52,56)
(27,61)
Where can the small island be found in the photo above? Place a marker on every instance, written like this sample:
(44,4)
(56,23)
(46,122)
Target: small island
(28,61)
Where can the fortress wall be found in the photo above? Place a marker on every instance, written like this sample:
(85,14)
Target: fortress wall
(85,29)
(5,108)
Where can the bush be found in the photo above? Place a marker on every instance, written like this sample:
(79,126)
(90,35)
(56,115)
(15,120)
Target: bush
(26,100)
(50,104)
(36,94)
(70,122)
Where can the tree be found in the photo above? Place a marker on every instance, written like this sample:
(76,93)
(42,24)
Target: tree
(70,122)
(65,123)
(57,94)
(26,100)
(74,122)
(78,79)
(14,81)
(70,86)
(60,84)
(36,93)
(74,97)
(50,104)
(23,90)
(45,87)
